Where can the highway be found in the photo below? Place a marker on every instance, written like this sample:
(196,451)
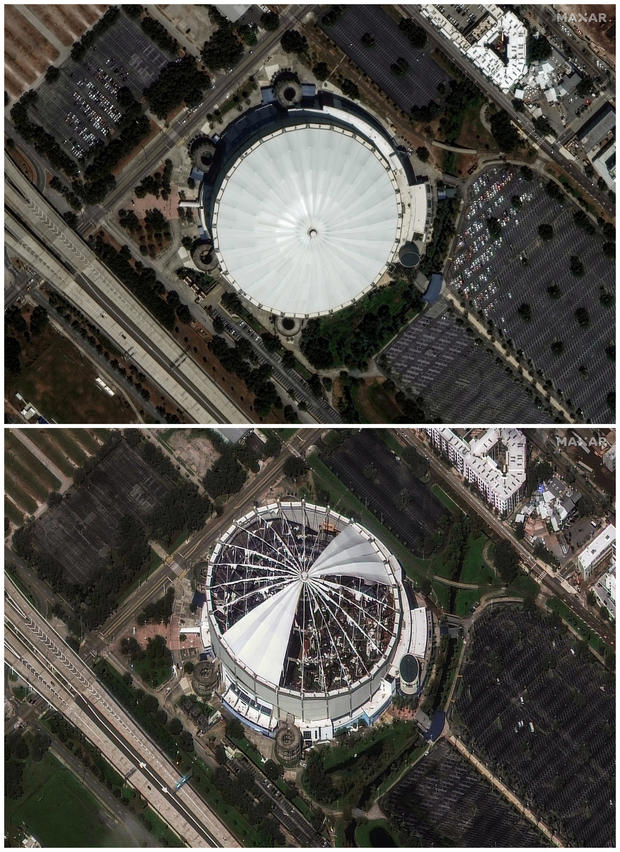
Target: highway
(522,120)
(35,231)
(452,478)
(56,672)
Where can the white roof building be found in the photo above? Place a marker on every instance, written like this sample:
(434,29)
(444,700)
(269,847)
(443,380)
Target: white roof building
(308,218)
(306,611)
(598,550)
(502,484)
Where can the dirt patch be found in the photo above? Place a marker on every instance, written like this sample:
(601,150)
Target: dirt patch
(194,449)
(169,207)
(26,51)
(24,164)
(170,633)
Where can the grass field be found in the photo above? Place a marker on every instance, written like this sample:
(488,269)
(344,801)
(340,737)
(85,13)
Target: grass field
(475,567)
(160,831)
(21,497)
(442,595)
(56,808)
(86,440)
(374,834)
(12,512)
(70,446)
(567,615)
(464,600)
(444,498)
(343,500)
(58,380)
(33,474)
(46,441)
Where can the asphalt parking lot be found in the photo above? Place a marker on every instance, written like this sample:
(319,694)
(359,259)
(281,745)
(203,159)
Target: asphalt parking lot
(412,521)
(80,108)
(460,381)
(417,86)
(80,532)
(498,276)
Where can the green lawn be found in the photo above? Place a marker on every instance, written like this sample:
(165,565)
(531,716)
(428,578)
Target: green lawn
(343,500)
(160,830)
(444,498)
(475,567)
(442,595)
(567,615)
(56,808)
(374,834)
(465,598)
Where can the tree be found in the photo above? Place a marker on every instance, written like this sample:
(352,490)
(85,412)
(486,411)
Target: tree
(503,131)
(538,47)
(545,231)
(273,771)
(234,729)
(270,21)
(414,32)
(495,229)
(506,560)
(557,347)
(174,726)
(349,89)
(321,71)
(422,153)
(293,41)
(220,754)
(52,74)
(294,467)
(525,311)
(583,317)
(591,598)
(38,320)
(188,667)
(526,173)
(368,40)
(576,266)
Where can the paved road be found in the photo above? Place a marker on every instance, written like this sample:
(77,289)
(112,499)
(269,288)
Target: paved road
(56,672)
(522,120)
(63,258)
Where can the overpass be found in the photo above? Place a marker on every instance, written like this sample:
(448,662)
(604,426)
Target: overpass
(42,658)
(36,232)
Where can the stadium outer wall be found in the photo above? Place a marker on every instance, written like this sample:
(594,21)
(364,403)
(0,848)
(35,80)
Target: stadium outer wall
(324,712)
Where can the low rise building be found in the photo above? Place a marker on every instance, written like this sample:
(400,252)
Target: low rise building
(599,549)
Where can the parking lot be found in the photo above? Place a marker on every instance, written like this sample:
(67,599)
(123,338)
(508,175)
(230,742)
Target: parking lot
(498,276)
(80,108)
(414,519)
(417,86)
(544,715)
(459,380)
(80,532)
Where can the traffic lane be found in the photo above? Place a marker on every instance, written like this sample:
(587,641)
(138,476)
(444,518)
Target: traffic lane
(130,752)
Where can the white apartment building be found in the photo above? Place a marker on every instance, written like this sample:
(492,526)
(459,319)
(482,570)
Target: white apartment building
(599,549)
(495,462)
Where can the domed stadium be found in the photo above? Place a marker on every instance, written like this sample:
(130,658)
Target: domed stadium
(308,203)
(308,616)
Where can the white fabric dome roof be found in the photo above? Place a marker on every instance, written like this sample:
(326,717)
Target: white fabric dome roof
(306,220)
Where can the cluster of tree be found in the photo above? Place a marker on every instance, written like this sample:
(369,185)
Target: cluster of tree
(294,467)
(541,552)
(453,555)
(157,183)
(180,510)
(506,560)
(525,311)
(333,16)
(368,40)
(554,191)
(538,47)
(293,41)
(447,659)
(270,21)
(503,131)
(495,229)
(541,124)
(169,735)
(71,196)
(52,74)
(224,49)
(159,34)
(19,748)
(349,88)
(153,663)
(416,462)
(141,280)
(225,476)
(241,792)
(400,67)
(443,231)
(321,71)
(42,141)
(80,47)
(583,221)
(234,358)
(582,316)
(158,611)
(545,231)
(354,334)
(415,33)
(178,81)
